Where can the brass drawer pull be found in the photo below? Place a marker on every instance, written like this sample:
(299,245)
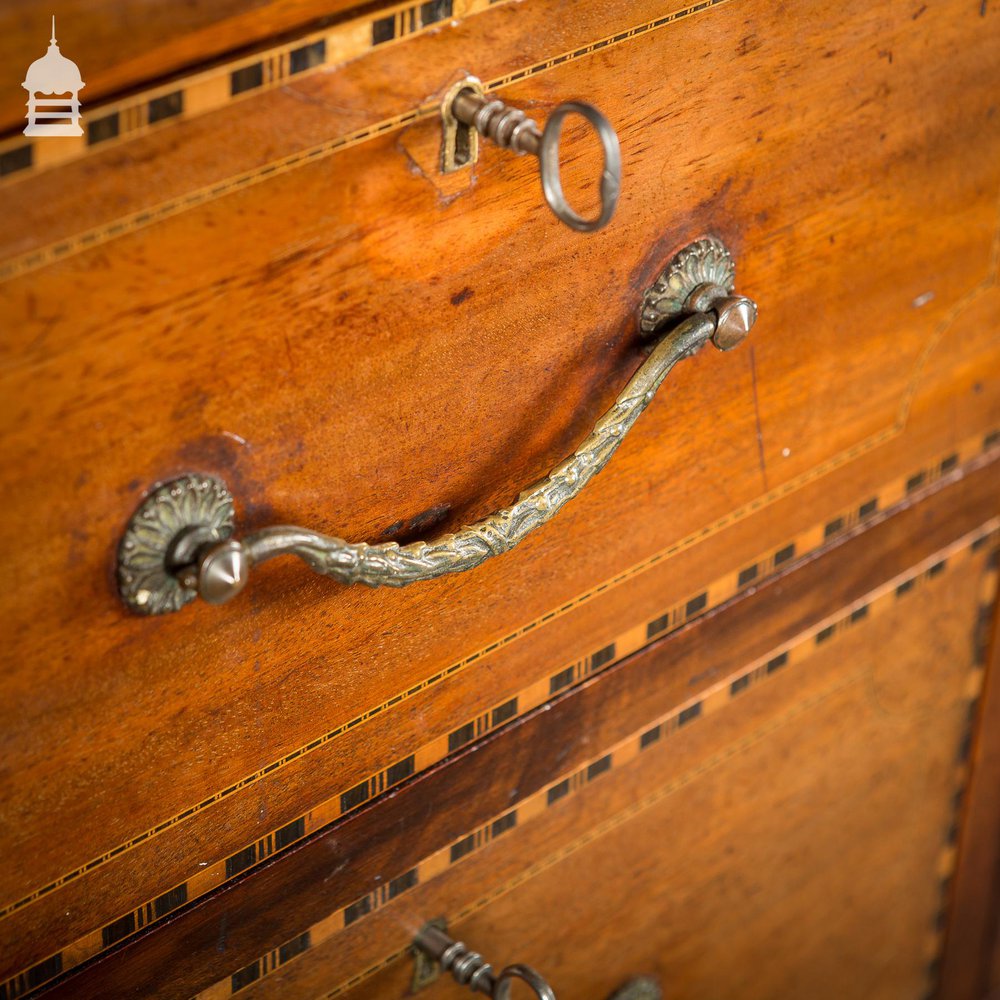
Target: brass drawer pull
(468,968)
(467,105)
(177,546)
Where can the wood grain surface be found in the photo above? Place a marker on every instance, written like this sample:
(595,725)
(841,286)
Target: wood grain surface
(888,619)
(974,920)
(360,345)
(121,45)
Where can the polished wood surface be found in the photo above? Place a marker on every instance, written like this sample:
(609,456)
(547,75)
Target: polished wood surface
(121,45)
(361,345)
(927,571)
(974,917)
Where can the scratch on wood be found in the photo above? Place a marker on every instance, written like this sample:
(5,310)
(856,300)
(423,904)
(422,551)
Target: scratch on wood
(756,414)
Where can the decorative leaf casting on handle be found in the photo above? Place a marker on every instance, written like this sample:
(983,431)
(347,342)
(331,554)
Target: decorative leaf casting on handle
(392,565)
(164,562)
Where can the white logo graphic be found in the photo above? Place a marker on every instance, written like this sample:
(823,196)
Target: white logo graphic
(53,74)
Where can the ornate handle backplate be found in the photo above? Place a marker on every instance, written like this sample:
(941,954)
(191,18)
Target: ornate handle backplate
(177,545)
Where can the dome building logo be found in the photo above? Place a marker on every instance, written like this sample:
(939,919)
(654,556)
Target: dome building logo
(58,77)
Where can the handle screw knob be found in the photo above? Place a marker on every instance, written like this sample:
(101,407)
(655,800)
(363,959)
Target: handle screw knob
(736,317)
(223,572)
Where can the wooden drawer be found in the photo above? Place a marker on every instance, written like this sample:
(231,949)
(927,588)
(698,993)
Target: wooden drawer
(760,789)
(254,269)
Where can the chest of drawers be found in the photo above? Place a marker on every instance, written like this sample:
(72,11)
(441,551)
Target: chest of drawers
(724,721)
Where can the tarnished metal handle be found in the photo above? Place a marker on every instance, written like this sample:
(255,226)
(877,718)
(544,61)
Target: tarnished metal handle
(177,544)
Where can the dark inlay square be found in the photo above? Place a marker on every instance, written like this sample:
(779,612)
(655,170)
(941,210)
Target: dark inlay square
(245,976)
(354,796)
(868,508)
(357,910)
(16,159)
(938,568)
(44,971)
(991,439)
(503,824)
(290,833)
(972,712)
(915,482)
(177,896)
(739,684)
(504,712)
(949,463)
(747,575)
(958,799)
(247,78)
(833,527)
(399,771)
(696,604)
(306,57)
(102,129)
(783,555)
(463,847)
(556,792)
(904,587)
(118,929)
(598,767)
(405,881)
(777,662)
(294,947)
(649,737)
(241,860)
(965,747)
(657,625)
(933,971)
(434,11)
(461,736)
(858,613)
(984,623)
(563,679)
(689,713)
(383,30)
(825,633)
(166,106)
(602,656)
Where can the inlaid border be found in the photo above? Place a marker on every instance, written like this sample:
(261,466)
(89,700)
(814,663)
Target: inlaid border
(651,737)
(112,122)
(948,859)
(551,683)
(276,66)
(98,235)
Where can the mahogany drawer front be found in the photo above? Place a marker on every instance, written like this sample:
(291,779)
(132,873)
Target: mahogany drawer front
(284,291)
(760,788)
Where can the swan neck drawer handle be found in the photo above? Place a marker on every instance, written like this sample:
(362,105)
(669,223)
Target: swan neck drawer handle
(177,546)
(468,968)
